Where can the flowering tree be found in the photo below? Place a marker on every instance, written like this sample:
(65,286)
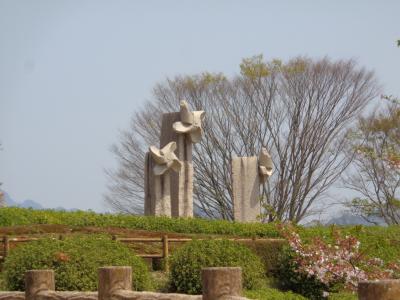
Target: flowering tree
(375,145)
(339,262)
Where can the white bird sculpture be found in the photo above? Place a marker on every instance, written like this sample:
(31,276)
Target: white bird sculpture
(265,165)
(165,159)
(190,122)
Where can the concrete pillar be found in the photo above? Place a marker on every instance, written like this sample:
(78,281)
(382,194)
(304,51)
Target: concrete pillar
(221,282)
(112,279)
(38,280)
(157,198)
(379,290)
(246,189)
(182,182)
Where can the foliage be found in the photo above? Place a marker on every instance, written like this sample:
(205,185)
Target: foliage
(375,176)
(299,110)
(187,262)
(272,294)
(377,241)
(317,268)
(75,262)
(343,296)
(290,279)
(275,294)
(269,252)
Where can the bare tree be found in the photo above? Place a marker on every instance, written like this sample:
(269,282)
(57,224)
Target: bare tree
(298,110)
(375,172)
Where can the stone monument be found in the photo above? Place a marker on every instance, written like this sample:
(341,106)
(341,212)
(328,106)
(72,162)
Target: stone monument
(247,175)
(184,128)
(158,166)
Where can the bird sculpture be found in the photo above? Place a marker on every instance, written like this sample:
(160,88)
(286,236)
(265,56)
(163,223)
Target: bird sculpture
(165,159)
(190,122)
(265,165)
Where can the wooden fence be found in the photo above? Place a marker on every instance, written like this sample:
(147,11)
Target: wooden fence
(116,283)
(164,240)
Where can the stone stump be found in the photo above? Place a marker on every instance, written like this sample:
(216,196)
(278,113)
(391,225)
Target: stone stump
(220,283)
(113,279)
(38,280)
(379,290)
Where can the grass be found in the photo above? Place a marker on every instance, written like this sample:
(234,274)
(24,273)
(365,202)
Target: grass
(274,294)
(12,216)
(382,242)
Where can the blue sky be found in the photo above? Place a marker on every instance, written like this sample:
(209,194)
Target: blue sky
(73,72)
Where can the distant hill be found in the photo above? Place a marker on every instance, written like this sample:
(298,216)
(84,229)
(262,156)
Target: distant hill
(28,203)
(346,218)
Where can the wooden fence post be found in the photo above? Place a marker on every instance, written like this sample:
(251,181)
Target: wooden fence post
(221,282)
(112,279)
(165,252)
(6,244)
(38,280)
(379,290)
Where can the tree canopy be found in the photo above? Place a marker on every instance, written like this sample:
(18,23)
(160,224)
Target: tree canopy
(299,110)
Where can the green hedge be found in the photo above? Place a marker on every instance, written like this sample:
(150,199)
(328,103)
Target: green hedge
(187,262)
(75,262)
(10,216)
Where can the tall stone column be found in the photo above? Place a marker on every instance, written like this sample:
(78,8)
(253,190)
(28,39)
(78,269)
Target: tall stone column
(247,175)
(158,166)
(184,128)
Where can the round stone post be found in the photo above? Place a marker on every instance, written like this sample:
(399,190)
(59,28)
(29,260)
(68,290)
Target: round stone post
(38,280)
(221,282)
(112,279)
(379,290)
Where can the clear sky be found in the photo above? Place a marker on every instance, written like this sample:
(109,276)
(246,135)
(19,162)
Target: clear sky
(73,72)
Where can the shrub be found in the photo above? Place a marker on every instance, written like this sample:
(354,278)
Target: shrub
(319,267)
(187,262)
(75,262)
(269,251)
(290,279)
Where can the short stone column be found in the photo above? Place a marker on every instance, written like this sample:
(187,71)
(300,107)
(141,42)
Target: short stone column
(219,283)
(113,279)
(37,281)
(379,290)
